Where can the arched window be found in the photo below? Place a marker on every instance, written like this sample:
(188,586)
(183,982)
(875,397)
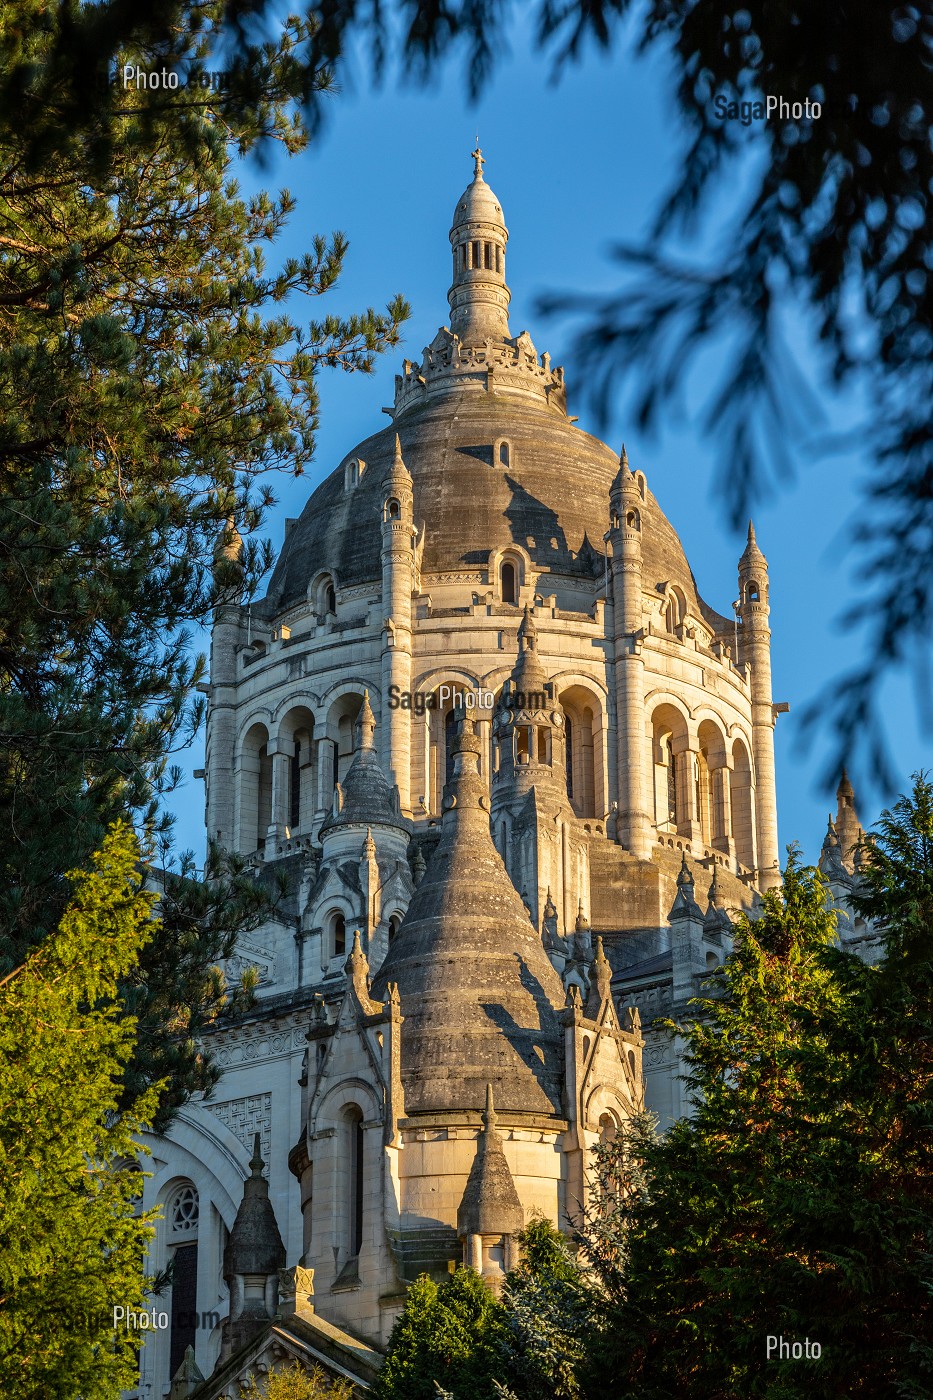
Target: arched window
(294,791)
(743,826)
(393,509)
(353,1119)
(264,808)
(505,454)
(584,780)
(673,768)
(330,599)
(670,763)
(568,753)
(254,790)
(675,610)
(182,1214)
(338,935)
(450,729)
(184,1210)
(509,584)
(608,1127)
(394,924)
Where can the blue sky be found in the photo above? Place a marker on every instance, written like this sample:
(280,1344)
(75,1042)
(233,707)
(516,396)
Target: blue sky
(576,167)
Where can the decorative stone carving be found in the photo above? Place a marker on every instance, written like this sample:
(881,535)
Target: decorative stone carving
(245,1117)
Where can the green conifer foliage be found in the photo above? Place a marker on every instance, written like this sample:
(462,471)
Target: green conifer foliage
(71,1243)
(158,363)
(448,1338)
(796,1201)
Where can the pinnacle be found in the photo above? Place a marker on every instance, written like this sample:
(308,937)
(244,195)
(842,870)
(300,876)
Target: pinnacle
(256,1163)
(489,1114)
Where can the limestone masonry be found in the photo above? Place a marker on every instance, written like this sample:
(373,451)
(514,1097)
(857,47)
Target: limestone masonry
(488,905)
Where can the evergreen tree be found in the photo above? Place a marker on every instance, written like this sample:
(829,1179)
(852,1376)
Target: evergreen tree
(153,375)
(549,1308)
(795,1202)
(449,1338)
(71,1243)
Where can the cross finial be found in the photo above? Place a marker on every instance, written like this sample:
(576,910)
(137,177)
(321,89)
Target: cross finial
(478,161)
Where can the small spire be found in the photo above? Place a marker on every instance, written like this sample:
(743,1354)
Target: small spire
(684,877)
(600,981)
(489,1113)
(752,556)
(479,160)
(418,866)
(550,908)
(256,1163)
(366,724)
(368,849)
(528,628)
(623,460)
(582,924)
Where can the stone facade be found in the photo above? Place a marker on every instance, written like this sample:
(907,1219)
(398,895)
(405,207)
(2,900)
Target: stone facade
(490,898)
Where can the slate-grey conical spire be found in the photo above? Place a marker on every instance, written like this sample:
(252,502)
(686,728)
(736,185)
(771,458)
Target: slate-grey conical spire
(479,995)
(490,1204)
(255,1245)
(366,797)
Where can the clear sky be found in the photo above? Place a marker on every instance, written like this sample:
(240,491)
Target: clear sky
(576,166)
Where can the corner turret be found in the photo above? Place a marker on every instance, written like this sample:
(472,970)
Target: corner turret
(755,650)
(252,1260)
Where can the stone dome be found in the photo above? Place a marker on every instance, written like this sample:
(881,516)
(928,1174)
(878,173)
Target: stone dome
(552,500)
(478,204)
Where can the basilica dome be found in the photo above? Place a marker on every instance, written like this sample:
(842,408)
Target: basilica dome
(494,458)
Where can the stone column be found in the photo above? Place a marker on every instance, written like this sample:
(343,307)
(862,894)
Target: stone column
(685,776)
(398,560)
(720,784)
(755,652)
(624,535)
(220,744)
(326,749)
(281,773)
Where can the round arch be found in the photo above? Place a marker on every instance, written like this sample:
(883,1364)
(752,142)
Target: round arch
(253,790)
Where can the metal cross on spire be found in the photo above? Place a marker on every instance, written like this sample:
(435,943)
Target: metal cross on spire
(479,160)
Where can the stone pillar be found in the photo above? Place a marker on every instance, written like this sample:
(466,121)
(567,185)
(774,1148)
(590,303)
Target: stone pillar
(755,652)
(221,735)
(685,776)
(624,536)
(398,560)
(281,776)
(326,751)
(721,795)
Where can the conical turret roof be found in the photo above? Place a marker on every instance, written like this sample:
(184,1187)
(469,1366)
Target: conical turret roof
(255,1245)
(491,1204)
(479,996)
(367,798)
